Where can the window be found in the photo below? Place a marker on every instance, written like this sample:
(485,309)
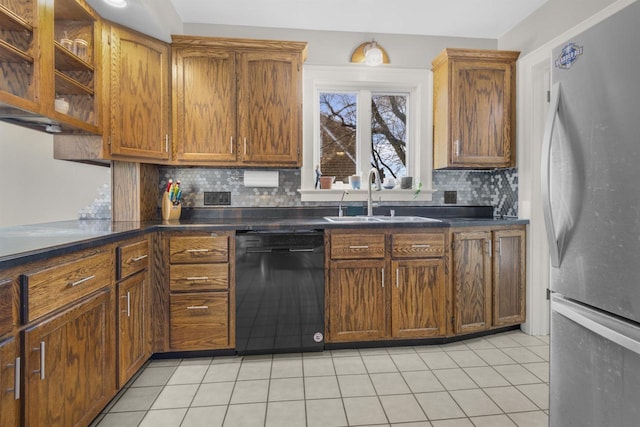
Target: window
(340,142)
(357,118)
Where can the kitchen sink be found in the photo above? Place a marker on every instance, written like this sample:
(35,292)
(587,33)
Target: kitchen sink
(352,219)
(406,219)
(365,219)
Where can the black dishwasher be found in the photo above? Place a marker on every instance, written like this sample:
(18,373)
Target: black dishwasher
(279,291)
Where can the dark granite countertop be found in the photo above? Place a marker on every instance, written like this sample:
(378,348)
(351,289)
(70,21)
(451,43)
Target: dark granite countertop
(26,243)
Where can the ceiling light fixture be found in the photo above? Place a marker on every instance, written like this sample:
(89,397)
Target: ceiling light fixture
(370,53)
(116,3)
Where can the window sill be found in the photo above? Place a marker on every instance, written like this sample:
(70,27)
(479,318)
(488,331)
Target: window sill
(394,195)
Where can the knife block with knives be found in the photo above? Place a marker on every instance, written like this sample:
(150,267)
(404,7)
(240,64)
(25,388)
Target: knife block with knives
(171,202)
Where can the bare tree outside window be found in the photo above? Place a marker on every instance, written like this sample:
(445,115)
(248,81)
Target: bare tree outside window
(389,135)
(338,127)
(338,132)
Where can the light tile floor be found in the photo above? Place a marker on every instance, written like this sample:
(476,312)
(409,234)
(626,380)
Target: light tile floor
(494,381)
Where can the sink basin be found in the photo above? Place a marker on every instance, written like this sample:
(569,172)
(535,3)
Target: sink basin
(406,219)
(365,219)
(352,219)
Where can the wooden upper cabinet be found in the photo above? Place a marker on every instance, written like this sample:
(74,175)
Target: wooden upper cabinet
(50,51)
(237,102)
(139,96)
(19,54)
(204,105)
(509,281)
(270,108)
(77,68)
(471,281)
(474,109)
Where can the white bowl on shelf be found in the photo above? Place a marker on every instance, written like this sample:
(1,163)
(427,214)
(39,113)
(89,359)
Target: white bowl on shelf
(61,105)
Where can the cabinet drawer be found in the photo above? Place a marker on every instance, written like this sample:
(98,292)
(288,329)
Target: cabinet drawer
(418,245)
(199,321)
(6,306)
(199,277)
(49,289)
(199,249)
(132,258)
(350,246)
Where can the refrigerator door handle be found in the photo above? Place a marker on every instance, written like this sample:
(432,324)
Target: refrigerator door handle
(608,328)
(554,245)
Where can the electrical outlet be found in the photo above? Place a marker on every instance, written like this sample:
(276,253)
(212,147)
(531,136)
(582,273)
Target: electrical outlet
(212,198)
(451,197)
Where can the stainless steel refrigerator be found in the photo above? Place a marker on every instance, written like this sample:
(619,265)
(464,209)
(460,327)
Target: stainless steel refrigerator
(591,186)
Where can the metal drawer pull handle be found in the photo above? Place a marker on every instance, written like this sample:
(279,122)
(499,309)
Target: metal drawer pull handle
(397,277)
(198,278)
(359,247)
(16,379)
(420,246)
(198,307)
(128,304)
(301,250)
(81,281)
(383,277)
(139,258)
(41,349)
(197,250)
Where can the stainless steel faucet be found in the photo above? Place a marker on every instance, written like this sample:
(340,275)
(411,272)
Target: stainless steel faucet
(375,173)
(344,193)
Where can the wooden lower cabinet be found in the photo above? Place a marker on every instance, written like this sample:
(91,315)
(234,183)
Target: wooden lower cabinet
(10,383)
(357,300)
(471,281)
(69,366)
(133,326)
(509,281)
(418,299)
(201,289)
(489,282)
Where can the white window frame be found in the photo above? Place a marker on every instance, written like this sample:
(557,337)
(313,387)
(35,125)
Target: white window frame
(416,82)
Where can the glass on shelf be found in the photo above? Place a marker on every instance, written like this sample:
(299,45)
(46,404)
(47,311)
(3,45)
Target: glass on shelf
(67,44)
(81,48)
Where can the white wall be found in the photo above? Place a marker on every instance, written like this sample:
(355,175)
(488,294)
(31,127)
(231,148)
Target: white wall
(35,187)
(552,19)
(335,48)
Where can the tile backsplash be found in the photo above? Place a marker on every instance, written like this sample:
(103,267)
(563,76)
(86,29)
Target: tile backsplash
(497,188)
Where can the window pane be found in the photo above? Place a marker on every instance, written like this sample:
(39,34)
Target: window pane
(389,135)
(338,115)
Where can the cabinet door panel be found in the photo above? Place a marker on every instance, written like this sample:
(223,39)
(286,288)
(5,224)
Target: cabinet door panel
(471,281)
(418,307)
(269,107)
(9,367)
(357,301)
(139,95)
(205,105)
(482,121)
(509,277)
(133,349)
(69,365)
